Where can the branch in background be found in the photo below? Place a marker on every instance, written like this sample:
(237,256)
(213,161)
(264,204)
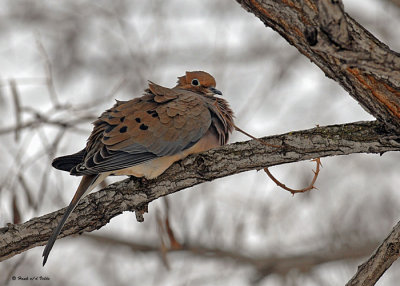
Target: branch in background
(98,208)
(49,73)
(396,3)
(343,49)
(45,118)
(17,109)
(264,264)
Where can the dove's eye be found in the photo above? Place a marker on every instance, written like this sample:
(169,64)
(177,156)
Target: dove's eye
(195,82)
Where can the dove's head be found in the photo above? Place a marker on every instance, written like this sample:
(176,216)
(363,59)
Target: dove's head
(198,81)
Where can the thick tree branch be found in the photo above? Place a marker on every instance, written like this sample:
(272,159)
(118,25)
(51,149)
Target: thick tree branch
(388,252)
(98,208)
(342,48)
(353,57)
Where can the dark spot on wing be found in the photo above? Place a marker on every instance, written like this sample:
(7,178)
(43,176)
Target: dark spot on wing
(144,127)
(137,119)
(153,113)
(123,129)
(122,119)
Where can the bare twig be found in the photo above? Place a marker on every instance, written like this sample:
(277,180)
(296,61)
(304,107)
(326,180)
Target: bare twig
(27,190)
(49,73)
(283,186)
(15,210)
(173,243)
(168,241)
(163,244)
(255,138)
(41,119)
(264,264)
(17,109)
(295,191)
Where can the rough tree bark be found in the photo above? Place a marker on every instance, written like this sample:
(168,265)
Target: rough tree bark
(97,209)
(371,270)
(343,49)
(365,67)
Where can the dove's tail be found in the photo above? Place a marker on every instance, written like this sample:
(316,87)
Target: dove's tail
(66,163)
(87,184)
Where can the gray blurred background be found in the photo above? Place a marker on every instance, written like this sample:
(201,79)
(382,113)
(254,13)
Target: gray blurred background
(63,63)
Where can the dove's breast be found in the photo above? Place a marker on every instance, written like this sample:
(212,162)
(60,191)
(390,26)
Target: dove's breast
(153,168)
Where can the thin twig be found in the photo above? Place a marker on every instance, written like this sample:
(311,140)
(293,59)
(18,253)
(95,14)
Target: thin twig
(283,186)
(173,243)
(257,139)
(15,210)
(163,244)
(294,191)
(49,72)
(27,190)
(17,110)
(265,264)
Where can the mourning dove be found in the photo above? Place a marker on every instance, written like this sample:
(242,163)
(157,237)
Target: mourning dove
(142,137)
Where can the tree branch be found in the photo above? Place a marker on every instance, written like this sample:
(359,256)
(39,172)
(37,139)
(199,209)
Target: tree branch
(98,208)
(349,54)
(388,252)
(264,264)
(343,49)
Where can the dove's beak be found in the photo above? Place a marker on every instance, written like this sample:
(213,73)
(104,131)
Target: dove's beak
(215,91)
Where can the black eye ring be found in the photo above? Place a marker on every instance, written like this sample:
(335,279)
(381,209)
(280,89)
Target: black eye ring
(195,82)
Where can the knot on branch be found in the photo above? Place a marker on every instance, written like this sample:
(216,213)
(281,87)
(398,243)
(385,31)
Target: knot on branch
(392,249)
(202,167)
(311,35)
